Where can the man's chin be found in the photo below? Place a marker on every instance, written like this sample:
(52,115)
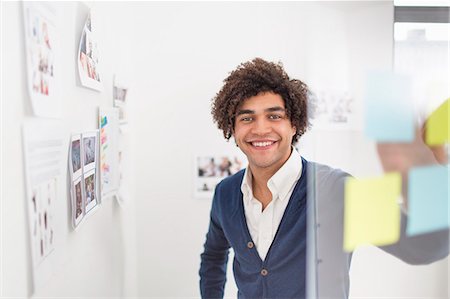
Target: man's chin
(261,164)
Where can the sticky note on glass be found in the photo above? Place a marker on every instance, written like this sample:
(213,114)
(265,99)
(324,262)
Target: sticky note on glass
(388,107)
(438,126)
(372,212)
(428,199)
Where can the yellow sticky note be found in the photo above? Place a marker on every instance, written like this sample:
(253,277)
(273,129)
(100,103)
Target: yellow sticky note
(372,212)
(438,125)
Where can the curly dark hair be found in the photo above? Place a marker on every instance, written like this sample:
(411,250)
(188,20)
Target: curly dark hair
(252,78)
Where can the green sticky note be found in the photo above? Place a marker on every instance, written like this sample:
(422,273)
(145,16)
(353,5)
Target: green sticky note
(438,125)
(372,213)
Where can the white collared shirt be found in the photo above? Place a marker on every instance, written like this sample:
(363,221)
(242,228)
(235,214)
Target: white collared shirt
(263,225)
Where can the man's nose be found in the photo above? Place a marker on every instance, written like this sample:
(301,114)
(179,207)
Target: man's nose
(261,127)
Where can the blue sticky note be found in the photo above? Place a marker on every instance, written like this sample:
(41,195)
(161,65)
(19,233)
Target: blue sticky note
(389,108)
(428,199)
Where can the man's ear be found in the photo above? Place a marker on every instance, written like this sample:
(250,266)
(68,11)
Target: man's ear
(295,130)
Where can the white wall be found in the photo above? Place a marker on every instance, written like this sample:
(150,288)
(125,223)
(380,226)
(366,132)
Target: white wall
(98,260)
(187,49)
(177,55)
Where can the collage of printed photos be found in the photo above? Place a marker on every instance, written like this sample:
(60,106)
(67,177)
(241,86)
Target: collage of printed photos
(88,57)
(83,171)
(41,50)
(210,170)
(43,233)
(44,164)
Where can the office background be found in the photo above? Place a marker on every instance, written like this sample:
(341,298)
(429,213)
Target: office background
(175,56)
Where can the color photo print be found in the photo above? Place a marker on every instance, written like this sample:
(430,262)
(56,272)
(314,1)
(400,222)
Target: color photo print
(88,56)
(41,40)
(83,170)
(210,170)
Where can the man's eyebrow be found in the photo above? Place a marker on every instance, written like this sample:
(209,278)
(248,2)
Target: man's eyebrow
(275,109)
(271,109)
(246,111)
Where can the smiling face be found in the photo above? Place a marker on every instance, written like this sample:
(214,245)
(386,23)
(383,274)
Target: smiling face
(263,131)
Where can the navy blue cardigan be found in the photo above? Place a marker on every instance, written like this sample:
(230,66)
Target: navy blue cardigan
(281,274)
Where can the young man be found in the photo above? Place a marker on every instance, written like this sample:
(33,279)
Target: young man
(262,212)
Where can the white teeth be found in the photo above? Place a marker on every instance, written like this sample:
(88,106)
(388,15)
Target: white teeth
(260,144)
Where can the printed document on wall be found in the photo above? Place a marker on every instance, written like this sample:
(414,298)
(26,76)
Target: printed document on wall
(41,50)
(43,144)
(109,154)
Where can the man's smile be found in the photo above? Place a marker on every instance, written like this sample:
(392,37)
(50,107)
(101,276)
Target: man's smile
(262,144)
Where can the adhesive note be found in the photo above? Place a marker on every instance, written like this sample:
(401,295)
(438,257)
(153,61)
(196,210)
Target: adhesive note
(428,199)
(388,108)
(438,125)
(104,121)
(372,213)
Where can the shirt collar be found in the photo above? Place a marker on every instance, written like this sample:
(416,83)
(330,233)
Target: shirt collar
(281,182)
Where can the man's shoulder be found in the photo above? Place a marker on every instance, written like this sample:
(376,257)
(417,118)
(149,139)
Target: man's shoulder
(325,174)
(232,182)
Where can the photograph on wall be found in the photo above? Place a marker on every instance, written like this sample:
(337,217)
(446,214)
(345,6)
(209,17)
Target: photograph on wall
(89,152)
(76,175)
(88,56)
(109,154)
(120,92)
(90,190)
(210,170)
(75,155)
(44,160)
(89,141)
(41,46)
(332,110)
(78,209)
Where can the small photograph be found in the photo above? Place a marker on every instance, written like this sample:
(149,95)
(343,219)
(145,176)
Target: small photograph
(120,92)
(89,149)
(78,200)
(76,154)
(221,166)
(210,170)
(90,191)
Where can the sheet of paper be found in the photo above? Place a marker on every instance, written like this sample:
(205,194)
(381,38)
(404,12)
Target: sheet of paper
(438,125)
(109,154)
(428,199)
(372,213)
(120,93)
(41,41)
(388,108)
(89,60)
(44,155)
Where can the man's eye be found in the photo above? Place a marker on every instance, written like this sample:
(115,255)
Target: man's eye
(247,119)
(275,116)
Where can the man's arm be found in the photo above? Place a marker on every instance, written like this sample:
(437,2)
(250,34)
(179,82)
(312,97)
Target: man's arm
(420,249)
(401,157)
(213,267)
